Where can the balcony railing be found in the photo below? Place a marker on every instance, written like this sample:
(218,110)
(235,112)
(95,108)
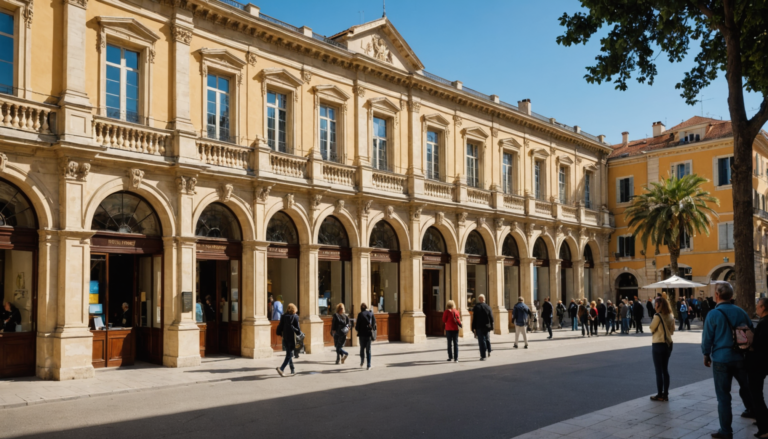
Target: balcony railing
(438,189)
(543,208)
(111,133)
(328,41)
(288,165)
(279,23)
(514,202)
(590,216)
(27,116)
(223,154)
(437,78)
(390,182)
(761,213)
(570,212)
(479,196)
(340,174)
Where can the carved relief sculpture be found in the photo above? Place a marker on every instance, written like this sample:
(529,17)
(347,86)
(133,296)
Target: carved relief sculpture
(135,175)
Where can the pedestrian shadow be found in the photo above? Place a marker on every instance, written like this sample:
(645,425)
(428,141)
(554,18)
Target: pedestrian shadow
(215,371)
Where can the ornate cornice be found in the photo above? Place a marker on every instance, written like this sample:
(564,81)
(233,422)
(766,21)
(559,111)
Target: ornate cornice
(181,34)
(80,3)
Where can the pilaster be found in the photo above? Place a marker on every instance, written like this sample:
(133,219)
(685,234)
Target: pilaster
(526,279)
(459,285)
(47,302)
(361,283)
(256,337)
(578,280)
(181,338)
(413,322)
(310,321)
(182,29)
(75,115)
(496,294)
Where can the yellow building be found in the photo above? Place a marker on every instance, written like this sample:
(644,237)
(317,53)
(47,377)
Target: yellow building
(698,145)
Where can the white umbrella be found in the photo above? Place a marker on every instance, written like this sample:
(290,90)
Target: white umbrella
(675,282)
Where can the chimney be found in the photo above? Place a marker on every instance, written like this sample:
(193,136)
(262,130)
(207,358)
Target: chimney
(625,137)
(658,128)
(525,106)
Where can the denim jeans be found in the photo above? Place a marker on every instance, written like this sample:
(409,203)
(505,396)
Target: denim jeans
(548,326)
(453,339)
(288,360)
(585,326)
(625,325)
(574,324)
(661,353)
(365,349)
(484,339)
(339,340)
(609,326)
(724,374)
(683,318)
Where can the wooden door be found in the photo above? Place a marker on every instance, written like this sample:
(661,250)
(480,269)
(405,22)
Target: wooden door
(434,317)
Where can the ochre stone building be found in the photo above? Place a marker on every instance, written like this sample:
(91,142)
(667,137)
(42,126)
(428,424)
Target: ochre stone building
(170,168)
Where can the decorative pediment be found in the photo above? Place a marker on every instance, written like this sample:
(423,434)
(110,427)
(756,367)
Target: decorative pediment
(476,132)
(281,76)
(221,57)
(510,143)
(380,40)
(540,153)
(128,28)
(331,92)
(383,104)
(437,119)
(591,167)
(564,160)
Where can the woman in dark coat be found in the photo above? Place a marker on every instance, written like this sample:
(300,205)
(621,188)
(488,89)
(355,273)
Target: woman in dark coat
(339,330)
(10,317)
(288,328)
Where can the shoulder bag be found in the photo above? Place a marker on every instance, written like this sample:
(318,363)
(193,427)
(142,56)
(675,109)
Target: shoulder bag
(345,326)
(742,336)
(664,327)
(456,319)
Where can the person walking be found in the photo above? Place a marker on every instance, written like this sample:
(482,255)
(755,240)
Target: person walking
(757,368)
(610,314)
(662,327)
(547,316)
(584,318)
(452,322)
(560,309)
(717,345)
(573,310)
(339,331)
(624,315)
(365,326)
(594,318)
(288,329)
(533,322)
(482,325)
(651,309)
(520,315)
(638,314)
(601,312)
(683,315)
(704,304)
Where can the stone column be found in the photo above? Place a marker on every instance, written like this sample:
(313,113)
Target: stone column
(459,292)
(496,294)
(415,148)
(181,337)
(361,282)
(413,321)
(526,279)
(578,280)
(257,339)
(181,34)
(47,302)
(310,321)
(75,115)
(555,279)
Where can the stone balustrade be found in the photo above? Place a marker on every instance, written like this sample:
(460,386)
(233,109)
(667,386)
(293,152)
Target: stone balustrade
(223,154)
(339,174)
(590,217)
(543,208)
(110,133)
(514,202)
(570,212)
(439,189)
(479,196)
(288,165)
(390,182)
(22,115)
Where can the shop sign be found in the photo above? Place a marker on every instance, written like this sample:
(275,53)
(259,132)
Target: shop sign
(212,247)
(121,243)
(186,301)
(432,259)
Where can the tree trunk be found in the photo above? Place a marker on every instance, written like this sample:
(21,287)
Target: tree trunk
(674,255)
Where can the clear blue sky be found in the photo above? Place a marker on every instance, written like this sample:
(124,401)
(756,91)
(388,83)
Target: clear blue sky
(508,48)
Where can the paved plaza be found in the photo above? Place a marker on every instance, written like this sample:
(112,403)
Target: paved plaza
(569,386)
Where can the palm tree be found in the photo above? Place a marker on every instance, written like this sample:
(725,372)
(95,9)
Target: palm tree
(668,208)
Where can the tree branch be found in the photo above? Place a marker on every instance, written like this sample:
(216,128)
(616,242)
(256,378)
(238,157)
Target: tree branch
(761,117)
(711,15)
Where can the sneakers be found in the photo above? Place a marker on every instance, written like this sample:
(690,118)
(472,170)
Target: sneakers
(449,360)
(526,346)
(489,354)
(456,361)
(370,367)
(660,398)
(482,358)
(361,364)
(292,374)
(344,358)
(282,374)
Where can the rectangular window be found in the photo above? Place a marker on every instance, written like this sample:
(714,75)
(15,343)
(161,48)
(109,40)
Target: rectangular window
(473,172)
(685,240)
(626,246)
(724,167)
(218,108)
(6,53)
(537,180)
(625,189)
(122,84)
(562,184)
(277,117)
(380,144)
(506,173)
(725,236)
(587,191)
(433,156)
(328,134)
(680,170)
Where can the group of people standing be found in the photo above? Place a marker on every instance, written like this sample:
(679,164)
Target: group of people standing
(596,315)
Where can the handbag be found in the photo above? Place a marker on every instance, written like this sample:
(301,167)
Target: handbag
(345,328)
(372,325)
(661,319)
(456,320)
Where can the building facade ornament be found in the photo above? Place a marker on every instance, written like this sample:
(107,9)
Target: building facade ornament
(339,206)
(461,217)
(135,175)
(79,3)
(457,120)
(389,212)
(529,229)
(367,207)
(416,213)
(377,48)
(359,91)
(191,183)
(262,192)
(440,218)
(226,192)
(29,12)
(481,221)
(288,201)
(315,201)
(73,170)
(3,161)
(251,58)
(498,223)
(180,34)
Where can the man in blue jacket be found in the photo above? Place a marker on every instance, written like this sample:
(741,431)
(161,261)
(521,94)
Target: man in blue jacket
(717,345)
(520,314)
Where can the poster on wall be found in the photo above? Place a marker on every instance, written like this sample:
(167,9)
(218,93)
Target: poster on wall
(435,291)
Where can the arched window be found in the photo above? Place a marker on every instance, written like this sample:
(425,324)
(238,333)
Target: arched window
(475,244)
(217,221)
(565,252)
(433,241)
(124,212)
(332,232)
(282,229)
(383,236)
(15,209)
(588,259)
(509,249)
(540,250)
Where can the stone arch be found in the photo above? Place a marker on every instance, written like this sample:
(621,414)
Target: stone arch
(295,212)
(547,241)
(36,191)
(615,278)
(236,205)
(157,199)
(401,230)
(573,246)
(517,235)
(488,238)
(346,220)
(448,232)
(595,247)
(718,271)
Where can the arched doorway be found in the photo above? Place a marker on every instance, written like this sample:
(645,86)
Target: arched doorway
(626,287)
(540,270)
(18,282)
(477,268)
(385,281)
(566,273)
(434,266)
(126,289)
(511,274)
(589,268)
(282,268)
(334,270)
(218,280)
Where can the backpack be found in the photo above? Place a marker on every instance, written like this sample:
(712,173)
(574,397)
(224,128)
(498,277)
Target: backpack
(743,336)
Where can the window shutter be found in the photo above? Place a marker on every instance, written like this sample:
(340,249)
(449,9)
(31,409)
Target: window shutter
(631,240)
(687,169)
(672,171)
(621,246)
(715,171)
(618,191)
(722,236)
(631,188)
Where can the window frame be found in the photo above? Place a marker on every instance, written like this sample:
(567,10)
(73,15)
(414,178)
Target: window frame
(222,63)
(128,34)
(219,93)
(123,84)
(477,137)
(563,186)
(22,47)
(333,97)
(588,183)
(719,232)
(716,171)
(440,125)
(512,147)
(383,108)
(474,181)
(277,110)
(621,241)
(282,81)
(631,189)
(688,248)
(686,163)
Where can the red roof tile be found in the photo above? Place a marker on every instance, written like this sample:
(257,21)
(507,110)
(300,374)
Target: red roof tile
(717,129)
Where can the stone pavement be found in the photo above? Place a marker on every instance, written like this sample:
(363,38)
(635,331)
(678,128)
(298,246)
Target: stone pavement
(691,413)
